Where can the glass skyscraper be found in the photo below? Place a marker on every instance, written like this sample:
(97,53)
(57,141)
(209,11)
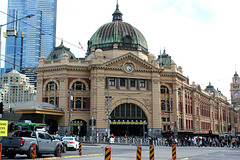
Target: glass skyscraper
(29,38)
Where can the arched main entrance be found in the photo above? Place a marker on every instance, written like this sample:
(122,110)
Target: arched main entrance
(79,127)
(128,119)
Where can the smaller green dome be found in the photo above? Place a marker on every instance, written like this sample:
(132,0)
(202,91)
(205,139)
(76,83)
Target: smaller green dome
(59,51)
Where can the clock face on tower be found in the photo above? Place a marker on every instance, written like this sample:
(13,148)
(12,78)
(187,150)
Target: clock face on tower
(236,94)
(128,68)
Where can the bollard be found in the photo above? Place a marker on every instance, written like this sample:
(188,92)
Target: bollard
(33,151)
(80,148)
(0,151)
(151,152)
(139,153)
(107,153)
(174,152)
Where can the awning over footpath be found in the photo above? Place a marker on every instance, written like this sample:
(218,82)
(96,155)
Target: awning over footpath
(33,107)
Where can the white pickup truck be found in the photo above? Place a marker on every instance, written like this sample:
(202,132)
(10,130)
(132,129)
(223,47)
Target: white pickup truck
(21,142)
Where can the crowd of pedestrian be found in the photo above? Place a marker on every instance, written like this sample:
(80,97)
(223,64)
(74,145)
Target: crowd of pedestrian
(199,141)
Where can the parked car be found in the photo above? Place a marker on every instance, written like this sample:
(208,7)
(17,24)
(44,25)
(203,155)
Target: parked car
(72,142)
(21,142)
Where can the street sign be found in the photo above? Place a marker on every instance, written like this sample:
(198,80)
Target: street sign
(3,128)
(105,119)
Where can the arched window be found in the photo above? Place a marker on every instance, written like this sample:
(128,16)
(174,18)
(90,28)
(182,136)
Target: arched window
(79,103)
(51,86)
(164,90)
(128,110)
(163,107)
(78,86)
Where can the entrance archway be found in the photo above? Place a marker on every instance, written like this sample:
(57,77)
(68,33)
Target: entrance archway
(52,126)
(79,127)
(128,119)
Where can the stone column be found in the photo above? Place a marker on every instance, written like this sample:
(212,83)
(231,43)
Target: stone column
(156,110)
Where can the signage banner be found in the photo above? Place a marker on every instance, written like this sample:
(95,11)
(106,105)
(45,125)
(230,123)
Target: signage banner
(3,128)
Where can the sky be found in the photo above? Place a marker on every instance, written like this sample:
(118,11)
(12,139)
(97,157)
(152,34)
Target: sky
(201,36)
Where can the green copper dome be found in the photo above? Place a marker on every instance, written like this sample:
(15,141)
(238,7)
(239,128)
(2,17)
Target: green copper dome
(59,51)
(119,33)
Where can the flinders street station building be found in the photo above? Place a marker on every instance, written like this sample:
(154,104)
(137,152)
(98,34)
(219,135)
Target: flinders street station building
(121,89)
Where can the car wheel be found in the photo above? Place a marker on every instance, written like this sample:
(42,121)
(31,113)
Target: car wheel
(58,152)
(64,149)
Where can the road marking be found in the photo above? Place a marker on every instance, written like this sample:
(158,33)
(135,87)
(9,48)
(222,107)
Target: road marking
(87,155)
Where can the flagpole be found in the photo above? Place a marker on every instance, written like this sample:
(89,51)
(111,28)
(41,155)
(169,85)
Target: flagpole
(78,49)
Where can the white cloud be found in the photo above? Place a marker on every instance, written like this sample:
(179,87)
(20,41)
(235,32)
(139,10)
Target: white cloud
(202,36)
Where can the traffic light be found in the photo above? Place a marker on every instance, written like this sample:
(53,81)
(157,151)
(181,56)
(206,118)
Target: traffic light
(1,107)
(11,127)
(210,132)
(94,122)
(229,128)
(16,127)
(90,122)
(170,133)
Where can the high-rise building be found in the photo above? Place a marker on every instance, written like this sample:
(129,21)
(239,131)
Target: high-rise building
(29,38)
(15,88)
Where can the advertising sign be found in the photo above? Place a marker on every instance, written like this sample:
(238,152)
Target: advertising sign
(3,128)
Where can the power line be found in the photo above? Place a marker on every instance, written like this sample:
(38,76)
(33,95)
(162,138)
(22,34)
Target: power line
(44,32)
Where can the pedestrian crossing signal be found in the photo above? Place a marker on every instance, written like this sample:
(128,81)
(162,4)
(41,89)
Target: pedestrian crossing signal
(210,132)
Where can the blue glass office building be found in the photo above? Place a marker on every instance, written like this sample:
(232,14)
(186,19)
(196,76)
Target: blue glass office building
(29,38)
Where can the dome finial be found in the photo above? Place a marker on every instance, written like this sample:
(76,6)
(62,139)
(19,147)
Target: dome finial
(117,15)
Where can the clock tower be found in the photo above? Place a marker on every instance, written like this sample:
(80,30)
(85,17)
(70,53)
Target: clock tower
(235,90)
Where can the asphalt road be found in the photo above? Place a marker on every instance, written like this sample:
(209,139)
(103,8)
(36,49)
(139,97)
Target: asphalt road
(128,152)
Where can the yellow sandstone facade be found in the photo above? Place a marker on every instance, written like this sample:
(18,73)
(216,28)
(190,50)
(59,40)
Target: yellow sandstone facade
(147,94)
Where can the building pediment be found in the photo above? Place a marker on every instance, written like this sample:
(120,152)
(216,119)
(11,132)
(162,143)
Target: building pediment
(129,63)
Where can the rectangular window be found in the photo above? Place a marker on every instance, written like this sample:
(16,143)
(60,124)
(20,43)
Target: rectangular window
(122,82)
(111,81)
(78,102)
(84,103)
(163,119)
(132,83)
(142,83)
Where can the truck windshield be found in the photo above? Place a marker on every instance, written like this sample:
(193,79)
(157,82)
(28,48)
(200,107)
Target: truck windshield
(22,134)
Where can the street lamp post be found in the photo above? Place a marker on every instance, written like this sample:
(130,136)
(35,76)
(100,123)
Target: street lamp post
(69,112)
(170,106)
(108,126)
(28,16)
